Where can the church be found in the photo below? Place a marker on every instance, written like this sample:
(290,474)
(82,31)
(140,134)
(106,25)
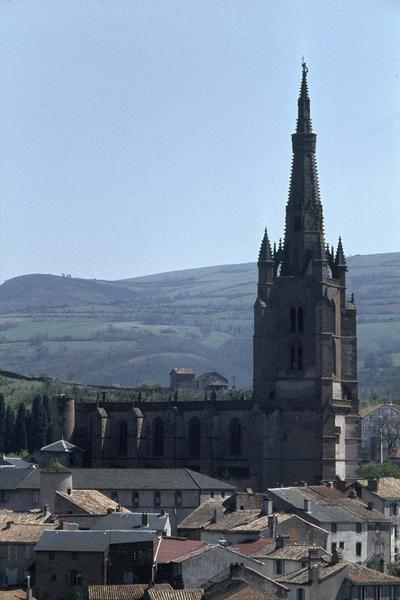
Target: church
(302,422)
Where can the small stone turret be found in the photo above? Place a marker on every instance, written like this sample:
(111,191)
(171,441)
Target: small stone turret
(55,478)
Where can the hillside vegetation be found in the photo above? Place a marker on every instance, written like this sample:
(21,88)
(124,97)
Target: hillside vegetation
(125,332)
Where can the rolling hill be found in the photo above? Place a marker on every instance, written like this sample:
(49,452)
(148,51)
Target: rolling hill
(124,332)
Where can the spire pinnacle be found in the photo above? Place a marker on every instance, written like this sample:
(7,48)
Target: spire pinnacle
(265,253)
(303,116)
(340,259)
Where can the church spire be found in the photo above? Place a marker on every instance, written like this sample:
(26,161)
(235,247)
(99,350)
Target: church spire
(265,254)
(303,119)
(304,233)
(340,259)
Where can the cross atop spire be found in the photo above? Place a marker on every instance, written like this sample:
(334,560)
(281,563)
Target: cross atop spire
(303,117)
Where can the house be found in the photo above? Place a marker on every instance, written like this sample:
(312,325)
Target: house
(191,564)
(242,582)
(212,380)
(68,562)
(84,502)
(360,531)
(238,526)
(380,431)
(158,522)
(177,491)
(17,542)
(182,379)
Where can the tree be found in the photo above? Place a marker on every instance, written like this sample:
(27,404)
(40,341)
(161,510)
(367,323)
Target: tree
(49,430)
(21,438)
(10,429)
(388,431)
(38,424)
(373,470)
(2,424)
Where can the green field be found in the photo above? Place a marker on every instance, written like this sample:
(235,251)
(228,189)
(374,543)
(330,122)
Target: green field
(129,331)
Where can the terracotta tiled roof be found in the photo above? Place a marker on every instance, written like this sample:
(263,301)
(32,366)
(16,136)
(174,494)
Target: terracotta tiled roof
(154,593)
(22,534)
(122,592)
(32,517)
(13,594)
(360,575)
(172,548)
(241,520)
(240,590)
(294,552)
(202,516)
(254,547)
(388,488)
(90,501)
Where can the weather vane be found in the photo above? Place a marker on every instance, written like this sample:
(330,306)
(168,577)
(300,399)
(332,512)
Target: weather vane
(303,64)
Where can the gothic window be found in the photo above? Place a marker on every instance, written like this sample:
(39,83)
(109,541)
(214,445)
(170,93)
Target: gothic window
(293,319)
(158,437)
(292,358)
(135,499)
(235,437)
(194,436)
(178,498)
(300,358)
(122,438)
(300,320)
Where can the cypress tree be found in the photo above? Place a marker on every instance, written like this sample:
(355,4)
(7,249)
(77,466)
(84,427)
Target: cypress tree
(10,430)
(2,424)
(49,430)
(38,424)
(21,441)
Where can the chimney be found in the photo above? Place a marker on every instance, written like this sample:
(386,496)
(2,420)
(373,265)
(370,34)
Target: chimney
(370,505)
(46,510)
(352,494)
(28,588)
(313,573)
(266,506)
(162,513)
(234,568)
(145,519)
(306,505)
(373,484)
(272,525)
(110,510)
(118,508)
(280,541)
(314,555)
(9,524)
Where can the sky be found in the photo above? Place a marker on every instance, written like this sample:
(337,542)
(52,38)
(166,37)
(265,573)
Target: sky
(145,136)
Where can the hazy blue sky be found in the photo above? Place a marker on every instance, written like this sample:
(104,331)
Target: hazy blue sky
(147,136)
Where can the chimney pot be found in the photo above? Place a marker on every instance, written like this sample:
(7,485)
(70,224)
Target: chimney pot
(370,505)
(306,505)
(145,519)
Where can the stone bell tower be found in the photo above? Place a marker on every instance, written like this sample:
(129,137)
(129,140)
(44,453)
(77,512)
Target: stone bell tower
(305,345)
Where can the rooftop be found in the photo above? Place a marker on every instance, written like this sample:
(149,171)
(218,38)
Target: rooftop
(122,592)
(89,541)
(22,534)
(155,593)
(172,548)
(123,479)
(388,488)
(202,516)
(239,520)
(239,590)
(60,446)
(90,501)
(128,520)
(28,517)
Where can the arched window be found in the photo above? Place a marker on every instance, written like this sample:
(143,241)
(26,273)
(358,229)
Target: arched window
(300,365)
(122,438)
(178,498)
(157,499)
(235,437)
(300,319)
(158,437)
(135,499)
(194,436)
(293,319)
(292,358)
